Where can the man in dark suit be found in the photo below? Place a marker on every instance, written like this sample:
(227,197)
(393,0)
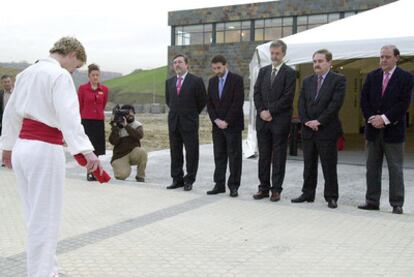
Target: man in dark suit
(225,108)
(321,98)
(5,93)
(274,91)
(185,95)
(385,98)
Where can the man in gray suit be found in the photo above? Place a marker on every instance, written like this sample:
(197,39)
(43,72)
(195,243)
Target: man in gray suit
(320,100)
(385,98)
(274,91)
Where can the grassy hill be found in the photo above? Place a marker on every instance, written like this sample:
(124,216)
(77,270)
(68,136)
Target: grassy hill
(10,71)
(141,86)
(79,77)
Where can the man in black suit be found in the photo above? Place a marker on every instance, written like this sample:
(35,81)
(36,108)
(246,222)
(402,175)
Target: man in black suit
(185,95)
(320,100)
(5,93)
(225,108)
(385,98)
(274,91)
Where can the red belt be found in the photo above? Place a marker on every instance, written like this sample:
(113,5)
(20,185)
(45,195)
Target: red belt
(35,130)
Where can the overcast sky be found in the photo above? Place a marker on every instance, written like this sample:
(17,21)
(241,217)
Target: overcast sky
(119,35)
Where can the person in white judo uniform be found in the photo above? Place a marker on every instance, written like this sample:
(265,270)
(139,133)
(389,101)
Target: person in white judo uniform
(42,112)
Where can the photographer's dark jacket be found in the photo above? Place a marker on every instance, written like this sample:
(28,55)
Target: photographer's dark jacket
(125,139)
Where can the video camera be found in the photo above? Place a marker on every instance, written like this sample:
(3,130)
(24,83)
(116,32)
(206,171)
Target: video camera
(119,115)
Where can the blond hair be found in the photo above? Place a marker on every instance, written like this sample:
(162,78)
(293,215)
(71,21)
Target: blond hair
(66,45)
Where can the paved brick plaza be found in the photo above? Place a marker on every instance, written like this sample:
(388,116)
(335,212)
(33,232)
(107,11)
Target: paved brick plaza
(130,229)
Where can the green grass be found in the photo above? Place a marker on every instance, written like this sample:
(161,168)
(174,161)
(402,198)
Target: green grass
(141,86)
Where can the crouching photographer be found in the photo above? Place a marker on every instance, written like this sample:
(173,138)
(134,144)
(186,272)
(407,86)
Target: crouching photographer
(125,136)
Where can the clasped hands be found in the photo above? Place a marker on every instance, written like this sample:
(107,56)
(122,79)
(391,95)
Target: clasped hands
(313,124)
(221,123)
(266,115)
(377,121)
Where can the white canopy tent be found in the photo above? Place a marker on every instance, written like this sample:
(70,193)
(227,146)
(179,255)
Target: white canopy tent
(356,37)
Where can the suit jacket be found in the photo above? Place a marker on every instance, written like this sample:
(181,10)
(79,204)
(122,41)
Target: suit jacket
(1,108)
(324,108)
(230,107)
(394,104)
(276,97)
(185,108)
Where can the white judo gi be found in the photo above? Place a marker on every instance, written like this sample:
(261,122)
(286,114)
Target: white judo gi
(44,92)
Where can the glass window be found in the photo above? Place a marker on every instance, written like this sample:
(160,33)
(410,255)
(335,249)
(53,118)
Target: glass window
(274,22)
(233,25)
(349,14)
(193,34)
(273,28)
(219,37)
(273,33)
(259,29)
(233,31)
(287,26)
(245,35)
(302,20)
(333,17)
(287,31)
(193,28)
(246,24)
(220,27)
(310,26)
(301,28)
(317,19)
(259,23)
(259,34)
(232,36)
(208,37)
(288,21)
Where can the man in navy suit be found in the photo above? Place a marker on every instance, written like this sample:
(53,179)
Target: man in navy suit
(385,99)
(320,100)
(225,108)
(185,95)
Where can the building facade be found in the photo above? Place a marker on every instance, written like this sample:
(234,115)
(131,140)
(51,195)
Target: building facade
(235,31)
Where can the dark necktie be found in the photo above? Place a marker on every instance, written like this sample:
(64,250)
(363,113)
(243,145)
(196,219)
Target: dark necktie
(320,79)
(272,77)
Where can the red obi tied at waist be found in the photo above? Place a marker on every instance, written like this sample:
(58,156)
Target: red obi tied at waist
(35,130)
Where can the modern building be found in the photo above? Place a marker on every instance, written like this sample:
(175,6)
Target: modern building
(235,31)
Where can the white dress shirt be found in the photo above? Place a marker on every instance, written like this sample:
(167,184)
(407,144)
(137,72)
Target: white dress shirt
(45,92)
(277,68)
(183,78)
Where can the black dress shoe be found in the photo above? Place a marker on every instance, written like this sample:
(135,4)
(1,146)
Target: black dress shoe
(368,206)
(175,185)
(216,190)
(188,186)
(260,195)
(332,204)
(397,210)
(233,193)
(302,198)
